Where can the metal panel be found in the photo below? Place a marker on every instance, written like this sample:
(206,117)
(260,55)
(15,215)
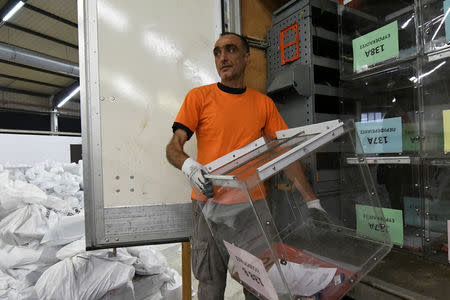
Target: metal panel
(34,75)
(35,43)
(42,24)
(133,195)
(232,14)
(221,161)
(308,129)
(28,86)
(297,14)
(381,160)
(90,125)
(66,9)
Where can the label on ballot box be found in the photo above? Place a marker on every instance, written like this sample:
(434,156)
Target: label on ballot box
(251,271)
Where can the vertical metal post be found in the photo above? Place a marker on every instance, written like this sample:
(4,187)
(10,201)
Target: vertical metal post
(186,270)
(54,120)
(232,16)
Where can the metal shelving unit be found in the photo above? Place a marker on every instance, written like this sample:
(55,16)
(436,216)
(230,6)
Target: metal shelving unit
(305,84)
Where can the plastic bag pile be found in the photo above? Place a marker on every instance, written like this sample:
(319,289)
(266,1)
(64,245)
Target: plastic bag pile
(42,246)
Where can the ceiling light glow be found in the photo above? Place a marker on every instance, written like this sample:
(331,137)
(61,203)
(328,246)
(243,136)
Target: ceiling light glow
(13,11)
(68,97)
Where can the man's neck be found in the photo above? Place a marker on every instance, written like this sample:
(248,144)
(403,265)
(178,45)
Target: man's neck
(235,84)
(230,90)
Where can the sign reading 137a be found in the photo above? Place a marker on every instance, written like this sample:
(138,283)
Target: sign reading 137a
(383,136)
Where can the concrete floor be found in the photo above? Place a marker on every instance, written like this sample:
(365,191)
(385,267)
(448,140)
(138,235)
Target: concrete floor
(172,252)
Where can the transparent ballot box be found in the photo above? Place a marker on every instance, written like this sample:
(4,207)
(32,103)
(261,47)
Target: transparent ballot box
(277,242)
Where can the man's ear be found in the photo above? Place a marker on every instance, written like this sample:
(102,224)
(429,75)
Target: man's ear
(247,58)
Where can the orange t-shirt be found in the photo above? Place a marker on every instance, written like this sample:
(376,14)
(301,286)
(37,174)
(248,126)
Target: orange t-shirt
(224,122)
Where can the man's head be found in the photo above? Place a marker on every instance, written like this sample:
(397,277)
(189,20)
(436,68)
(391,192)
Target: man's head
(231,55)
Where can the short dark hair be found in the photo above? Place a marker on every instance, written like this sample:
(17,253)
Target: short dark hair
(243,40)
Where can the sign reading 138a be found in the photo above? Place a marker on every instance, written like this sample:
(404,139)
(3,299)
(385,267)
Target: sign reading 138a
(376,46)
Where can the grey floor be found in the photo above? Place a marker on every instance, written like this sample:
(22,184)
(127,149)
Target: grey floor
(172,252)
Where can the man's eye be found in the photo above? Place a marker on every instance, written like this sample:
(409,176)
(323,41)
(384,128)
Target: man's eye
(231,49)
(216,53)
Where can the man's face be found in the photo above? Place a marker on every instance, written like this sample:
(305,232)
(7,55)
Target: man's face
(230,57)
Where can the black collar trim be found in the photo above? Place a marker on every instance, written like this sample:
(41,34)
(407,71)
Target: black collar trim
(230,90)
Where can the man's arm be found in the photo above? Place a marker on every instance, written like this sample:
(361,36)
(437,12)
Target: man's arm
(296,174)
(193,170)
(174,150)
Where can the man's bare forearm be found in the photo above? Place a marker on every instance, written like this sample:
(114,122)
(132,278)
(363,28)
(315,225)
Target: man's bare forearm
(296,174)
(174,150)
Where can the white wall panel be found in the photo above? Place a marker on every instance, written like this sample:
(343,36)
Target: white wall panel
(30,149)
(150,53)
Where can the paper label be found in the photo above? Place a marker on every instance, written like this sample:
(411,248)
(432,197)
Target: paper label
(380,137)
(447,20)
(376,46)
(303,280)
(251,271)
(371,224)
(409,134)
(446,119)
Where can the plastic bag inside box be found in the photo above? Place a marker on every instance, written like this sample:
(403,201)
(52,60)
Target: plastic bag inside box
(275,245)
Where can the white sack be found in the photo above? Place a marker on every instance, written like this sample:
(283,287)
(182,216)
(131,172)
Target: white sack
(53,178)
(145,288)
(172,289)
(17,173)
(6,284)
(19,191)
(83,277)
(14,256)
(14,194)
(26,225)
(72,249)
(58,204)
(66,230)
(149,262)
(26,294)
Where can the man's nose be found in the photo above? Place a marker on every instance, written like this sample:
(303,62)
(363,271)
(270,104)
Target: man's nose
(223,56)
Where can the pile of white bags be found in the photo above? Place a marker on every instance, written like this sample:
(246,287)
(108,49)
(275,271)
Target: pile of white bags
(42,246)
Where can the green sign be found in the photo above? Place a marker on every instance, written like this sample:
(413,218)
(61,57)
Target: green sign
(370,223)
(409,137)
(376,46)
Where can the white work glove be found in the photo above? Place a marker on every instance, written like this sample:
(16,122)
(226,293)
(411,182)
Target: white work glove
(315,204)
(194,172)
(316,211)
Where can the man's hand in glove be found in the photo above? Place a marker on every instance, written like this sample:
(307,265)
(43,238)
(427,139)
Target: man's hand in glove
(195,173)
(316,211)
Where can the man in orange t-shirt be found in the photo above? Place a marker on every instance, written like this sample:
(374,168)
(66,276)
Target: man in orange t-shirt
(224,116)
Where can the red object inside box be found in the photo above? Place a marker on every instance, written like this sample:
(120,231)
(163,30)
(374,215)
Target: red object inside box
(291,254)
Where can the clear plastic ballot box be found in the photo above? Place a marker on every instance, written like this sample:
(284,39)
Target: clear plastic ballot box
(273,243)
